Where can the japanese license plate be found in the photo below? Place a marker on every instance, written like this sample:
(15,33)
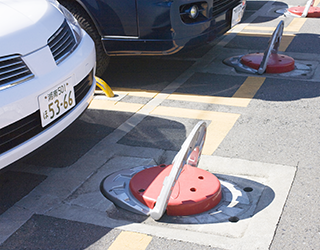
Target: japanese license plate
(237,14)
(56,101)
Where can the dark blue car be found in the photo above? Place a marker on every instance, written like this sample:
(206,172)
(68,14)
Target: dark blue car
(152,27)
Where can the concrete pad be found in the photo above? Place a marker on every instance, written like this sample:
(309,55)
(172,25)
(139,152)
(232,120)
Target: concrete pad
(306,68)
(257,220)
(258,211)
(88,195)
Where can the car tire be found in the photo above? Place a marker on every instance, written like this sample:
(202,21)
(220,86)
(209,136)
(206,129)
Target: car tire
(87,24)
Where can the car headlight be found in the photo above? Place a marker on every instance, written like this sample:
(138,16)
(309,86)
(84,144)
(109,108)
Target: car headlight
(193,12)
(72,21)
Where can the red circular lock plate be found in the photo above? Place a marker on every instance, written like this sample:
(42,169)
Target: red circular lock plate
(312,12)
(195,191)
(276,64)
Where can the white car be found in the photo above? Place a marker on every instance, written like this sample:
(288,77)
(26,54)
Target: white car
(47,69)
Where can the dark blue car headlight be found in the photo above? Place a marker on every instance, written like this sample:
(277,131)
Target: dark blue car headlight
(193,12)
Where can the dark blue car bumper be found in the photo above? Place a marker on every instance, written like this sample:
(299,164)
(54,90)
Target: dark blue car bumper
(177,32)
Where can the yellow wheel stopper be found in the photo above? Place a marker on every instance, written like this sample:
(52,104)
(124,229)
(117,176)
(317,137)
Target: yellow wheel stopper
(104,87)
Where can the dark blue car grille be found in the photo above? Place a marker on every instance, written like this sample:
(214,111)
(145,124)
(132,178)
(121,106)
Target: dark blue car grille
(62,42)
(24,129)
(220,6)
(13,70)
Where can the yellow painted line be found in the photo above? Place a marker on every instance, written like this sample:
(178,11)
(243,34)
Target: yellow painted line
(136,92)
(130,241)
(258,34)
(295,24)
(249,88)
(220,125)
(295,27)
(316,2)
(115,106)
(285,42)
(238,102)
(241,98)
(259,28)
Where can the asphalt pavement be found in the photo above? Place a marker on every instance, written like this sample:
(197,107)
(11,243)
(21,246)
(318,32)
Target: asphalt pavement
(262,143)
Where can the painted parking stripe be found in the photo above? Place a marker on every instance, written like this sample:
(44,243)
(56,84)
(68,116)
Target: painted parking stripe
(248,89)
(285,42)
(136,92)
(207,99)
(219,127)
(257,28)
(115,106)
(295,25)
(130,241)
(240,99)
(220,123)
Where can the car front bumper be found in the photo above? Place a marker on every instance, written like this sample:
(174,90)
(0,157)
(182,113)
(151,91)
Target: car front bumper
(20,103)
(180,34)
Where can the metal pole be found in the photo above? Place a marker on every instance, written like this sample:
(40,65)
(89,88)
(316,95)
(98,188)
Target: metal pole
(195,139)
(306,9)
(272,47)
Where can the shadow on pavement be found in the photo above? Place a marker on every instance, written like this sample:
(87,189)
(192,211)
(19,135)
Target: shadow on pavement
(45,232)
